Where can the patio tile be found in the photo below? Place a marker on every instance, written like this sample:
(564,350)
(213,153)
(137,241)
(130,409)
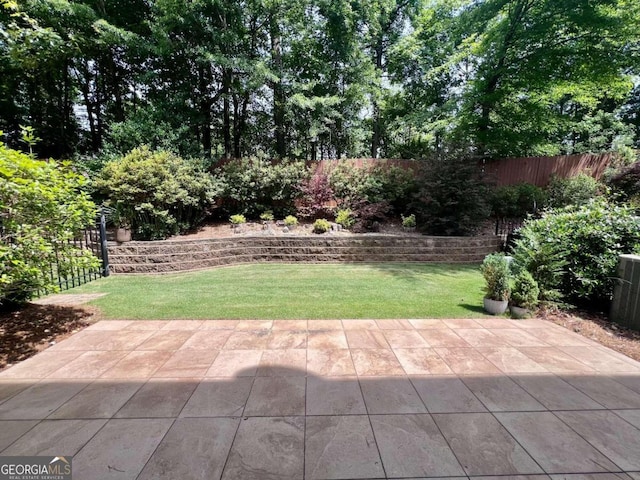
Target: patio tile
(321,325)
(366,339)
(101,399)
(390,324)
(290,325)
(330,362)
(497,323)
(359,325)
(446,394)
(511,360)
(558,338)
(206,340)
(412,445)
(518,337)
(421,361)
(466,361)
(192,448)
(501,394)
(427,324)
(391,395)
(287,340)
(83,340)
(554,393)
(50,437)
(483,446)
(161,397)
(376,362)
(405,339)
(443,337)
(341,447)
(11,387)
(528,323)
(42,365)
(183,325)
(631,381)
(166,340)
(334,396)
(254,325)
(218,398)
(11,430)
(247,340)
(219,324)
(123,340)
(286,363)
(267,448)
(138,364)
(479,337)
(235,363)
(604,390)
(461,323)
(89,365)
(187,363)
(111,325)
(121,449)
(600,359)
(146,325)
(553,444)
(554,360)
(610,434)
(595,476)
(631,416)
(276,396)
(326,340)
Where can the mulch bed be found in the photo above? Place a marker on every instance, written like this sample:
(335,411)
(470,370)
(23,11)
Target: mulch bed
(33,328)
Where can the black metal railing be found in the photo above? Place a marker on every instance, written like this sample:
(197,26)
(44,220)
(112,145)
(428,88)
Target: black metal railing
(506,228)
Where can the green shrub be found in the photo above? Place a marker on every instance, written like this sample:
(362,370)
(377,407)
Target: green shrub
(238,219)
(453,199)
(525,291)
(253,185)
(495,270)
(576,190)
(517,201)
(345,218)
(588,239)
(290,221)
(42,206)
(626,182)
(409,222)
(321,226)
(267,216)
(160,192)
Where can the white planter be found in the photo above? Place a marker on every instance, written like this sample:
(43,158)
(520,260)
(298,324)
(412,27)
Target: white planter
(495,307)
(519,312)
(123,235)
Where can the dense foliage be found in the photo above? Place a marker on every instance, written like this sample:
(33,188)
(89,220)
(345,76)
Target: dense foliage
(575,250)
(576,190)
(316,79)
(517,201)
(156,193)
(42,207)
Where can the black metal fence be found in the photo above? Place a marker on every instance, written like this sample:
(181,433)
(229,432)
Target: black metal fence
(506,228)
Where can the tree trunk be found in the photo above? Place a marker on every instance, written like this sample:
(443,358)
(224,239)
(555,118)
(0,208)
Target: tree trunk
(205,111)
(376,123)
(226,115)
(278,91)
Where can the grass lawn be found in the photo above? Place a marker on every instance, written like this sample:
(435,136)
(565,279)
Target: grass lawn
(302,291)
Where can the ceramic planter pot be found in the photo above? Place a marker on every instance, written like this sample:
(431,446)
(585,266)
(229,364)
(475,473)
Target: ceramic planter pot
(123,235)
(519,312)
(495,307)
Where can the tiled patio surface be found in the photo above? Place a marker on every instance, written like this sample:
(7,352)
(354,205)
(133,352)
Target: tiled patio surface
(327,400)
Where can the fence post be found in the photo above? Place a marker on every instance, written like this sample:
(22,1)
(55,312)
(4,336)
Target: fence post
(103,244)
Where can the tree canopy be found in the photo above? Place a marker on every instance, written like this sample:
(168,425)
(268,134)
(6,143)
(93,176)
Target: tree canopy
(314,79)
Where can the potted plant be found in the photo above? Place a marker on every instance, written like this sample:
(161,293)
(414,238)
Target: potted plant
(237,221)
(495,270)
(290,222)
(122,218)
(524,294)
(409,223)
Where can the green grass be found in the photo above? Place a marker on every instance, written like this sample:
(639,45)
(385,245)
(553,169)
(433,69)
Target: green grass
(296,291)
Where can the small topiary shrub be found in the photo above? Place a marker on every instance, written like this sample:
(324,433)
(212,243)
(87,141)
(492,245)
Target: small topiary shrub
(525,291)
(290,221)
(238,219)
(321,226)
(409,222)
(495,270)
(267,216)
(576,190)
(345,218)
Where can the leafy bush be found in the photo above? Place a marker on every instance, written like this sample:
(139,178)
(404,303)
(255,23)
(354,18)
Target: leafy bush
(290,221)
(267,216)
(517,201)
(525,291)
(42,206)
(576,190)
(316,194)
(321,226)
(452,197)
(345,218)
(588,239)
(238,219)
(495,270)
(626,183)
(253,185)
(409,222)
(161,193)
(369,216)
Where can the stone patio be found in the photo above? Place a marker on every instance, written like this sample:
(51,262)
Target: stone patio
(329,399)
